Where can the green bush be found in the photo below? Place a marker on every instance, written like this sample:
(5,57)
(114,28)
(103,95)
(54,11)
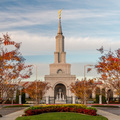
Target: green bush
(76,106)
(23,97)
(17,97)
(91,108)
(97,99)
(79,108)
(103,99)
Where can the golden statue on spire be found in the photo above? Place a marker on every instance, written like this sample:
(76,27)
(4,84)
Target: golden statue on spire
(60,13)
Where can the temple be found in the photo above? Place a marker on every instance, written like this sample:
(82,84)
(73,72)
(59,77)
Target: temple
(60,76)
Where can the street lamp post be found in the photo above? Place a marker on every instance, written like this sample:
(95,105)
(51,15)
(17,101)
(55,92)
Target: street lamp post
(36,82)
(20,95)
(84,82)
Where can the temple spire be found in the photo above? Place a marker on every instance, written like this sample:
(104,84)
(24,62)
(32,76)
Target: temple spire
(59,27)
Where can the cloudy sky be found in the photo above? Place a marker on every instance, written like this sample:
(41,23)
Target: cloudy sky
(86,25)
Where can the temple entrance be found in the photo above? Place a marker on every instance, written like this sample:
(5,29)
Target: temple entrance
(60,93)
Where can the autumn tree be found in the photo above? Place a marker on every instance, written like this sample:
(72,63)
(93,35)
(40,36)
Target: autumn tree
(12,66)
(36,89)
(116,85)
(109,68)
(83,89)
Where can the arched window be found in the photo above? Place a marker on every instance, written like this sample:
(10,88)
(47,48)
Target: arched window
(59,71)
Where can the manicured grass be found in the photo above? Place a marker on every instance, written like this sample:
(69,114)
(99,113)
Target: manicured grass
(61,116)
(105,106)
(16,106)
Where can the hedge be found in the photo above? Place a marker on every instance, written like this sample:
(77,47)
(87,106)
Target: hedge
(78,108)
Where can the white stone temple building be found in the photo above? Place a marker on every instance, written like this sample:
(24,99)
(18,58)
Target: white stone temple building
(60,76)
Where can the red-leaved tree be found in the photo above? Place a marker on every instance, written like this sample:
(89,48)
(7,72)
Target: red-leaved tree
(109,68)
(83,89)
(12,66)
(36,89)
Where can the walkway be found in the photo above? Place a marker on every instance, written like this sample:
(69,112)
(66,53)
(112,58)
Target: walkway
(108,115)
(13,116)
(109,112)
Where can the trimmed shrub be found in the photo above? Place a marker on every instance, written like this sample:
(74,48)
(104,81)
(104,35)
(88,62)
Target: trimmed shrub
(97,98)
(61,108)
(58,106)
(23,97)
(103,99)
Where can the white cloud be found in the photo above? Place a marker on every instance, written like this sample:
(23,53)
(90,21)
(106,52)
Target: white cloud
(89,43)
(30,16)
(35,44)
(26,19)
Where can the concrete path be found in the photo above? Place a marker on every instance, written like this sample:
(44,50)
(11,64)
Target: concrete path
(113,110)
(6,111)
(108,115)
(13,116)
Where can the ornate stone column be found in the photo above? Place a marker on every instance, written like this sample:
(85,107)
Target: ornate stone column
(93,94)
(47,99)
(59,95)
(73,99)
(20,96)
(63,97)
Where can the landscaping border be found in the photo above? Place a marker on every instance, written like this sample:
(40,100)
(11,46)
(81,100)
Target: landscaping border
(78,108)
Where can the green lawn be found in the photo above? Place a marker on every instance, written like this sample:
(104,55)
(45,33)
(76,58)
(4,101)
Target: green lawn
(62,116)
(113,106)
(10,106)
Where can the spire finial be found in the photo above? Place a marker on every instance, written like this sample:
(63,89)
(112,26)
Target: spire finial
(60,13)
(59,27)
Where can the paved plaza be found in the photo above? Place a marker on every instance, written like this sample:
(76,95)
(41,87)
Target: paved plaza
(115,111)
(6,111)
(108,115)
(13,113)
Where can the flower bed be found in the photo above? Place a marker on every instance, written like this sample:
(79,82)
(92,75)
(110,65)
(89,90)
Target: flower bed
(78,108)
